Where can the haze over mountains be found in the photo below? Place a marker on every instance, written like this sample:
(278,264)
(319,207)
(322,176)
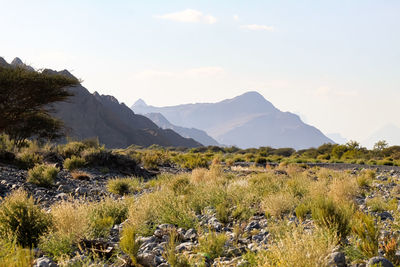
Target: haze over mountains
(196,134)
(248,120)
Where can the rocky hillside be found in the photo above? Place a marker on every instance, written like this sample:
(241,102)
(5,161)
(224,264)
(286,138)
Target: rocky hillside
(89,115)
(248,120)
(198,135)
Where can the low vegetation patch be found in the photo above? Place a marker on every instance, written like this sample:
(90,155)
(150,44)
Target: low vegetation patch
(123,186)
(43,175)
(74,163)
(21,220)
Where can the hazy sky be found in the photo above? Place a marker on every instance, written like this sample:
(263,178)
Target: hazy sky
(336,63)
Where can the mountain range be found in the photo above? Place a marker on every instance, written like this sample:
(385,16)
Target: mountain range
(87,115)
(248,120)
(196,134)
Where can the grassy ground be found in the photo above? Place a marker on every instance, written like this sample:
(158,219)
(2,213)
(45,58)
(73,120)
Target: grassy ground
(300,214)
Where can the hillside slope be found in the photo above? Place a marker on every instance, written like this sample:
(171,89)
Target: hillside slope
(87,115)
(115,125)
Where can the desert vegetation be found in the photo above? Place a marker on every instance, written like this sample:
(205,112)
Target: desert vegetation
(80,204)
(77,203)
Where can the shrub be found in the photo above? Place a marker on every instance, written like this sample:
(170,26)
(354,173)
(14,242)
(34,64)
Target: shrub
(21,219)
(378,204)
(191,161)
(72,149)
(365,178)
(128,243)
(302,210)
(12,255)
(223,212)
(160,207)
(368,234)
(104,215)
(343,188)
(261,160)
(212,245)
(290,249)
(57,245)
(180,185)
(331,215)
(123,186)
(170,254)
(118,210)
(43,175)
(153,159)
(70,219)
(29,159)
(279,204)
(74,163)
(100,227)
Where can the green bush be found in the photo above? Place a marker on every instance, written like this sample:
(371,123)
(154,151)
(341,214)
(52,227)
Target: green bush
(223,212)
(57,245)
(173,258)
(192,160)
(212,245)
(118,210)
(261,160)
(123,186)
(128,243)
(100,227)
(302,210)
(368,234)
(104,215)
(74,163)
(13,255)
(72,149)
(22,220)
(365,178)
(43,175)
(331,215)
(28,159)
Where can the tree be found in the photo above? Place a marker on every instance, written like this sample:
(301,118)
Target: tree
(25,102)
(353,145)
(380,145)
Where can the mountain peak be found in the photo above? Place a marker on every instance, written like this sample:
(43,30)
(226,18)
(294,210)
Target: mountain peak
(140,103)
(252,94)
(3,62)
(251,97)
(17,62)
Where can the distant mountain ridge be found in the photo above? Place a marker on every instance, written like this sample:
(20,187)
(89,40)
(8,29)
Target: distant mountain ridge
(248,120)
(196,134)
(89,115)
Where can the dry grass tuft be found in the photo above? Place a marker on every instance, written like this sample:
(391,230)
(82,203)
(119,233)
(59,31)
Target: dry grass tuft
(70,219)
(279,204)
(298,247)
(81,175)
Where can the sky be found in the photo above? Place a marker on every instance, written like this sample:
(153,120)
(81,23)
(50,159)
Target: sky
(335,63)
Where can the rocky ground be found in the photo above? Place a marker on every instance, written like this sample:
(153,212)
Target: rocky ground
(254,236)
